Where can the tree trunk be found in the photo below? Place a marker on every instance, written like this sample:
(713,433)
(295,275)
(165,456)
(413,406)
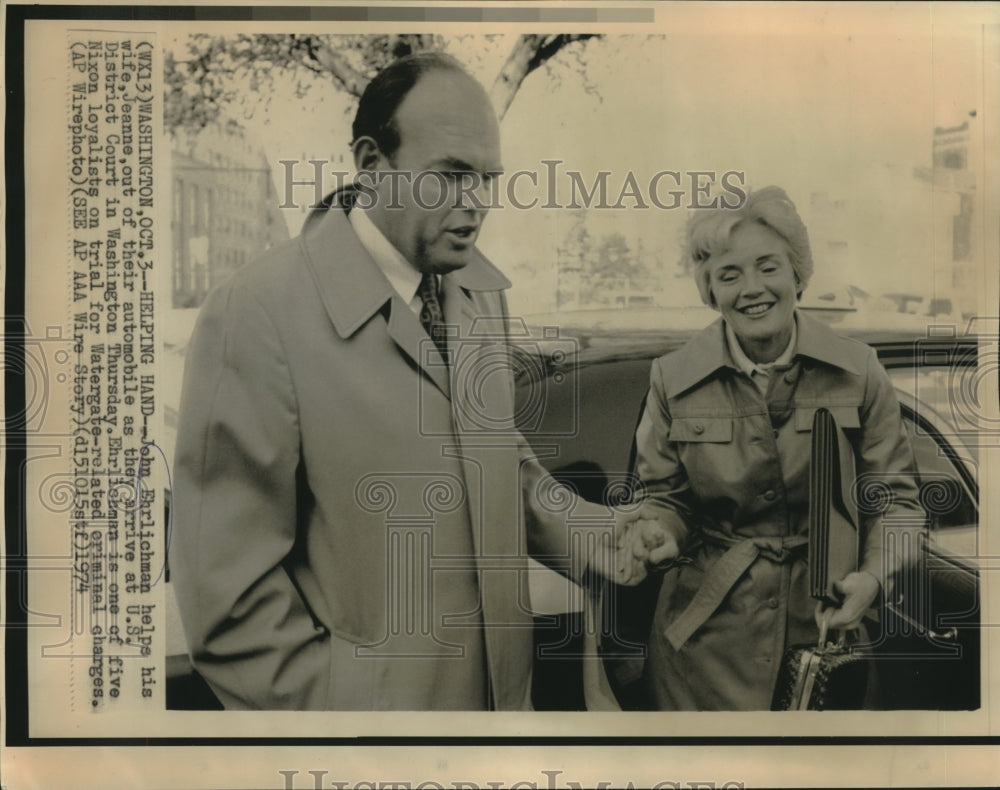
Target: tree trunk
(514,70)
(530,52)
(342,72)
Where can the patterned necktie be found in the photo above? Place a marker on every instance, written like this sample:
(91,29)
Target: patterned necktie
(431,314)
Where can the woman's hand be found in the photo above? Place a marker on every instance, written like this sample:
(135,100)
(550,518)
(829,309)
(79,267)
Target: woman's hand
(645,543)
(859,590)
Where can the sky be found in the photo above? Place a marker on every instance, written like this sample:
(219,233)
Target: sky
(821,100)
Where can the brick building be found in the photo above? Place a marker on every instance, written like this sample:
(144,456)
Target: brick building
(224,209)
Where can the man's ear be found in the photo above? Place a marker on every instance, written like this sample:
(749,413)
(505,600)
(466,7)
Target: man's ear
(367,154)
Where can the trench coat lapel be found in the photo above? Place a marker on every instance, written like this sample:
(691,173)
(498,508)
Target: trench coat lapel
(409,334)
(483,409)
(488,444)
(353,290)
(463,348)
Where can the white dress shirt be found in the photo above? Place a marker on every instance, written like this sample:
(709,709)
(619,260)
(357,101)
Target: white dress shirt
(759,372)
(401,274)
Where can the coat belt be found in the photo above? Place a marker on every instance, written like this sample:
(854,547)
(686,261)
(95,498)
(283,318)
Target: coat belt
(723,575)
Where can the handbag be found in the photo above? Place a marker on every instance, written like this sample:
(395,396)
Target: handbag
(826,676)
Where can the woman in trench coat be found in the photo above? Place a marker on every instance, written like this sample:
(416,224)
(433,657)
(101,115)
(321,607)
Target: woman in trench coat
(723,451)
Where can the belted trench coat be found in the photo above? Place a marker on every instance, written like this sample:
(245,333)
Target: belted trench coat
(726,468)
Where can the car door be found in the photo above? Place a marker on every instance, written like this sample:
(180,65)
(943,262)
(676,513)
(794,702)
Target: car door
(927,639)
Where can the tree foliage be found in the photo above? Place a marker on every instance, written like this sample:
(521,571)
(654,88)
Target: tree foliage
(615,264)
(592,271)
(214,74)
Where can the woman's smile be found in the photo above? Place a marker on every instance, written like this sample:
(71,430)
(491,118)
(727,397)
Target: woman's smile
(754,286)
(756,309)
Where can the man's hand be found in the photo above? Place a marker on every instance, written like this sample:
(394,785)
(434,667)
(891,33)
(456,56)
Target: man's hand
(859,590)
(640,544)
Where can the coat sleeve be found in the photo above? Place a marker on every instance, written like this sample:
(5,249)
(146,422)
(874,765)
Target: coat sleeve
(886,475)
(665,487)
(248,630)
(550,510)
(562,529)
(658,464)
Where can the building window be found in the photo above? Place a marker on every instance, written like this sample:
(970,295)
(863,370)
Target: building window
(178,270)
(962,230)
(193,212)
(178,214)
(955,158)
(180,241)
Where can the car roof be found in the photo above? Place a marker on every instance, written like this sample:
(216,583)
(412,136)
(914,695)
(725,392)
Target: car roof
(583,337)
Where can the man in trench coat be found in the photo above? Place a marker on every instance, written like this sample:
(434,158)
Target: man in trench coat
(355,506)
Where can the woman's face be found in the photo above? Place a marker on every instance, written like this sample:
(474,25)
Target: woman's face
(755,289)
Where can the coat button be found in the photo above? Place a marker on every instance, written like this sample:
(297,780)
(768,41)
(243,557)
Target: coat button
(773,603)
(789,378)
(698,428)
(770,496)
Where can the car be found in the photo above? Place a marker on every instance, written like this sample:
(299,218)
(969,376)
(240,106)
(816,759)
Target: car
(581,379)
(581,384)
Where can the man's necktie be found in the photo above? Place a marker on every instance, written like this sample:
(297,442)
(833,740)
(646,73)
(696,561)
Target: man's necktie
(431,314)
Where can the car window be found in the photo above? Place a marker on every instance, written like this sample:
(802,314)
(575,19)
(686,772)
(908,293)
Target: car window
(941,486)
(946,461)
(939,396)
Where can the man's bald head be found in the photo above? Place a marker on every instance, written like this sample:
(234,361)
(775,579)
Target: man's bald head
(376,114)
(431,125)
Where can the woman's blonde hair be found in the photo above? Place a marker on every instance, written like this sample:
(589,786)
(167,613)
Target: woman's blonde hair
(708,233)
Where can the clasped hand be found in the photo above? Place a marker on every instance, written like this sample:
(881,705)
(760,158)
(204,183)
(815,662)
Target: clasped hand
(640,544)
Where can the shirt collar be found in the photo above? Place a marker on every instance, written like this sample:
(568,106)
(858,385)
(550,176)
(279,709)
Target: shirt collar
(349,281)
(402,276)
(747,365)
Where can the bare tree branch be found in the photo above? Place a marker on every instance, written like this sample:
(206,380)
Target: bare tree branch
(529,53)
(206,85)
(337,67)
